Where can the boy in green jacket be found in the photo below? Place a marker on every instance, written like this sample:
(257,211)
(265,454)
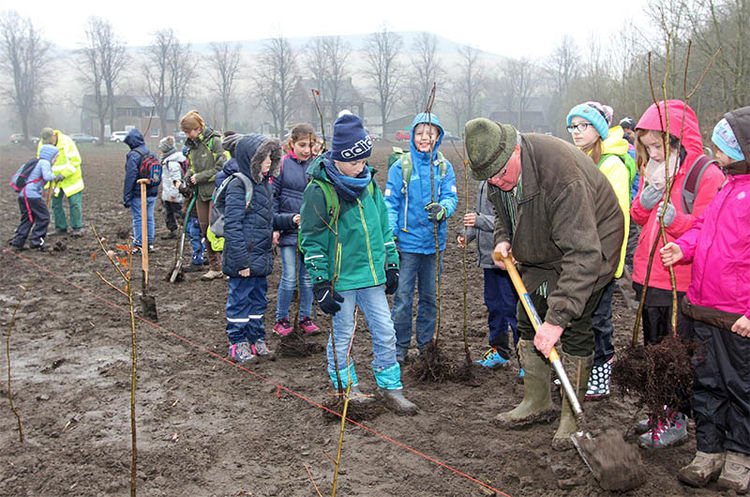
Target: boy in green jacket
(349,254)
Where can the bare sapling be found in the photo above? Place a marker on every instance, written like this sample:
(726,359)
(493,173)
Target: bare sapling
(121,260)
(7,358)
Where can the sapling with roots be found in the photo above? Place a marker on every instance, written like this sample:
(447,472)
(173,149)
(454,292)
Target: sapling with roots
(7,358)
(121,260)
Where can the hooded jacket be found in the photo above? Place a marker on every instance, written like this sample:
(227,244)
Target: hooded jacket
(288,189)
(357,254)
(248,230)
(569,227)
(172,172)
(619,177)
(408,218)
(718,243)
(41,174)
(206,155)
(68,164)
(131,189)
(483,228)
(649,219)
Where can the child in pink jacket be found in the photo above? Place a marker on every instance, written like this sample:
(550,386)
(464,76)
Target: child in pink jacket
(718,299)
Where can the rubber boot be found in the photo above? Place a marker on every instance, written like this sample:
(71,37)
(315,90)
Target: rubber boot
(396,402)
(578,369)
(536,406)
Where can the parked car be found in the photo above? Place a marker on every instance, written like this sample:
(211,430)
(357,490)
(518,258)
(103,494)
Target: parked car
(84,138)
(374,136)
(118,136)
(18,138)
(180,137)
(450,137)
(403,135)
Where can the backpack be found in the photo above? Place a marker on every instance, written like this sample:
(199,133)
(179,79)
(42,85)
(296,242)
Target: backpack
(629,162)
(407,166)
(216,223)
(150,168)
(692,180)
(19,181)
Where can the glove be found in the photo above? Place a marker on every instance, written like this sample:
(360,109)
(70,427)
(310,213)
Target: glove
(59,178)
(327,299)
(391,281)
(669,215)
(436,212)
(650,196)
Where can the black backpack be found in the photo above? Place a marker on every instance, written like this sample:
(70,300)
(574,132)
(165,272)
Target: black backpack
(20,180)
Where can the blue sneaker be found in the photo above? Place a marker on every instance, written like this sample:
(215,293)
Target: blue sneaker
(492,359)
(522,374)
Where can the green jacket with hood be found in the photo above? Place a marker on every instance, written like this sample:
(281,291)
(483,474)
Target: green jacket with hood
(358,256)
(206,159)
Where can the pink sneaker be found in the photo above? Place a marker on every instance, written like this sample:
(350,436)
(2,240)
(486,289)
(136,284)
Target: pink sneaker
(282,327)
(308,326)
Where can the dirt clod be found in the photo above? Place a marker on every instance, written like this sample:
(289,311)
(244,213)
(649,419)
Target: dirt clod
(615,464)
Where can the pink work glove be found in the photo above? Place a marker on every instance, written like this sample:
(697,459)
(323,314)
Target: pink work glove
(546,337)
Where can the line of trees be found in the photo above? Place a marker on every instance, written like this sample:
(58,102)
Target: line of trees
(394,79)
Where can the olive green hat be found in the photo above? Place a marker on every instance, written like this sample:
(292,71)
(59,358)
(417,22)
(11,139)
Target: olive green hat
(46,135)
(489,145)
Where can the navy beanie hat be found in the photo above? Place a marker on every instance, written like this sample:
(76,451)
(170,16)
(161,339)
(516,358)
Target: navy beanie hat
(350,141)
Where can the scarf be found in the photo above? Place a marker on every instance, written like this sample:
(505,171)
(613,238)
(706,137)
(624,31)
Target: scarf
(346,187)
(655,171)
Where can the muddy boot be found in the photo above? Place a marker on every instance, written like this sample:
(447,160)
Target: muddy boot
(396,402)
(736,473)
(214,266)
(578,369)
(702,469)
(536,406)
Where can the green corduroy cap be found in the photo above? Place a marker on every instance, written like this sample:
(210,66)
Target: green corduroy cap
(489,145)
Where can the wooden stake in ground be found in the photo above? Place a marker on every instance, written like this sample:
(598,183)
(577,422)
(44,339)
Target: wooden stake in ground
(148,302)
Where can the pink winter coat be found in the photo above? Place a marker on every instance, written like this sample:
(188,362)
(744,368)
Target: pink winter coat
(649,220)
(718,245)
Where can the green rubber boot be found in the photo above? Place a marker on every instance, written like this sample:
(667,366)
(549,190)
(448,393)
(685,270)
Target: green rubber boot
(578,369)
(536,406)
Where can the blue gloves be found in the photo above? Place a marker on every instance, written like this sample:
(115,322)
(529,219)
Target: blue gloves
(669,215)
(650,196)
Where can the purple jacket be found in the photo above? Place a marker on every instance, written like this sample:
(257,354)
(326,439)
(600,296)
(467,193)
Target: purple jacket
(719,247)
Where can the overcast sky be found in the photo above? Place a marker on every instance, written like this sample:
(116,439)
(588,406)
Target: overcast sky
(513,28)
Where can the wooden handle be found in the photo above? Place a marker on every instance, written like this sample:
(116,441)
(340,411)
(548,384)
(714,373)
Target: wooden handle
(144,231)
(143,181)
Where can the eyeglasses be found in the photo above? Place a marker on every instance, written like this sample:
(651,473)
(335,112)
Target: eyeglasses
(580,127)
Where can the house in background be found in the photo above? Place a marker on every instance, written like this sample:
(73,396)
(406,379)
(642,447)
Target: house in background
(530,117)
(130,111)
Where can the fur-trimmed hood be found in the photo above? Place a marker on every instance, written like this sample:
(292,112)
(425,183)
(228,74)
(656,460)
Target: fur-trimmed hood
(252,150)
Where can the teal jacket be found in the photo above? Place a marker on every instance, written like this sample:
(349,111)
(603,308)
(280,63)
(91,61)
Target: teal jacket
(355,258)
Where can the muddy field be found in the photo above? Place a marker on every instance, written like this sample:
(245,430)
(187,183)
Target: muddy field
(209,428)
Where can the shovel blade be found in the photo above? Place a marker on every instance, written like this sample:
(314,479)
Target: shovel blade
(148,307)
(616,465)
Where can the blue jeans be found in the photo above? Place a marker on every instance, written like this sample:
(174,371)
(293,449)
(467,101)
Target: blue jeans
(604,348)
(501,301)
(246,305)
(196,240)
(419,269)
(374,305)
(135,212)
(290,258)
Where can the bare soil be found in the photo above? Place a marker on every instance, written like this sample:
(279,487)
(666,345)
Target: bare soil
(209,428)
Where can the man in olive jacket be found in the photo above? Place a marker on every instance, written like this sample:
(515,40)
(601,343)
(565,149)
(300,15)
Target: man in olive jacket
(560,216)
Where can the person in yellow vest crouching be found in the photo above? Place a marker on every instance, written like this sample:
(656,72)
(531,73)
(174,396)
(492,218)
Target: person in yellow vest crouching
(68,165)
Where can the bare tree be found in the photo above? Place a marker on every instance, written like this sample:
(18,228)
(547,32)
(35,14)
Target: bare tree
(381,53)
(469,82)
(327,60)
(103,59)
(564,65)
(522,80)
(224,67)
(425,70)
(182,67)
(23,53)
(277,80)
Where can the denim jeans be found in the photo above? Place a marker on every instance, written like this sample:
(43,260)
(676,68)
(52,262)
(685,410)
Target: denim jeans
(196,240)
(604,348)
(374,305)
(419,269)
(290,257)
(246,305)
(501,300)
(135,212)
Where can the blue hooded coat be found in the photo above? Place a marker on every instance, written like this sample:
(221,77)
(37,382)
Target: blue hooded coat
(41,173)
(248,230)
(409,219)
(131,189)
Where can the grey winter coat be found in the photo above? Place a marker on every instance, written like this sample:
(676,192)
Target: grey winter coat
(483,229)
